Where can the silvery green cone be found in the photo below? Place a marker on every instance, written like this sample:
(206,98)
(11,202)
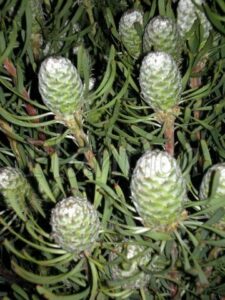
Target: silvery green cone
(161,34)
(129,272)
(14,188)
(60,87)
(75,225)
(160,81)
(130,37)
(207,183)
(158,190)
(187,14)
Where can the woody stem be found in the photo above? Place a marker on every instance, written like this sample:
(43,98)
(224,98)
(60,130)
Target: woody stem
(169,135)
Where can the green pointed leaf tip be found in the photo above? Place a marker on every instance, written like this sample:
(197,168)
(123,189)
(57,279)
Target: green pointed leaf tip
(60,86)
(158,190)
(75,224)
(187,14)
(131,38)
(161,34)
(160,81)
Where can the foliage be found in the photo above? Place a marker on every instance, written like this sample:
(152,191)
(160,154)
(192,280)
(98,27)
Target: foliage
(119,127)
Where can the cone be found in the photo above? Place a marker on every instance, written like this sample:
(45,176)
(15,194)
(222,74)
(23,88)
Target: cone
(14,188)
(161,34)
(158,190)
(207,181)
(60,87)
(160,81)
(75,225)
(187,14)
(131,39)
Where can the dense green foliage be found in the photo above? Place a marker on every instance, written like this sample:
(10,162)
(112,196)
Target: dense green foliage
(95,156)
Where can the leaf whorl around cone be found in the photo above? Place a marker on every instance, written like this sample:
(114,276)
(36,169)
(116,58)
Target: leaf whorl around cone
(207,182)
(158,189)
(160,81)
(187,14)
(75,224)
(60,86)
(161,34)
(131,267)
(129,35)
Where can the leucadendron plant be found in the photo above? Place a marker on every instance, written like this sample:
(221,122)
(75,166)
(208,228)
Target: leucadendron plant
(112,150)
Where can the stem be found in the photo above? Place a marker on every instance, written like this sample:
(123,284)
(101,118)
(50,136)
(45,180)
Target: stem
(169,135)
(81,138)
(196,82)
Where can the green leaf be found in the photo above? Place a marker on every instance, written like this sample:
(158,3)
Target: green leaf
(121,159)
(101,176)
(51,296)
(18,290)
(42,181)
(206,155)
(41,279)
(94,273)
(11,43)
(55,170)
(73,181)
(56,140)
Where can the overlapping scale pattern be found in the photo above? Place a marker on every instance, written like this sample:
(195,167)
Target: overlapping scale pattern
(207,181)
(14,188)
(75,224)
(13,182)
(161,34)
(160,81)
(131,40)
(218,197)
(187,14)
(129,270)
(158,190)
(60,86)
